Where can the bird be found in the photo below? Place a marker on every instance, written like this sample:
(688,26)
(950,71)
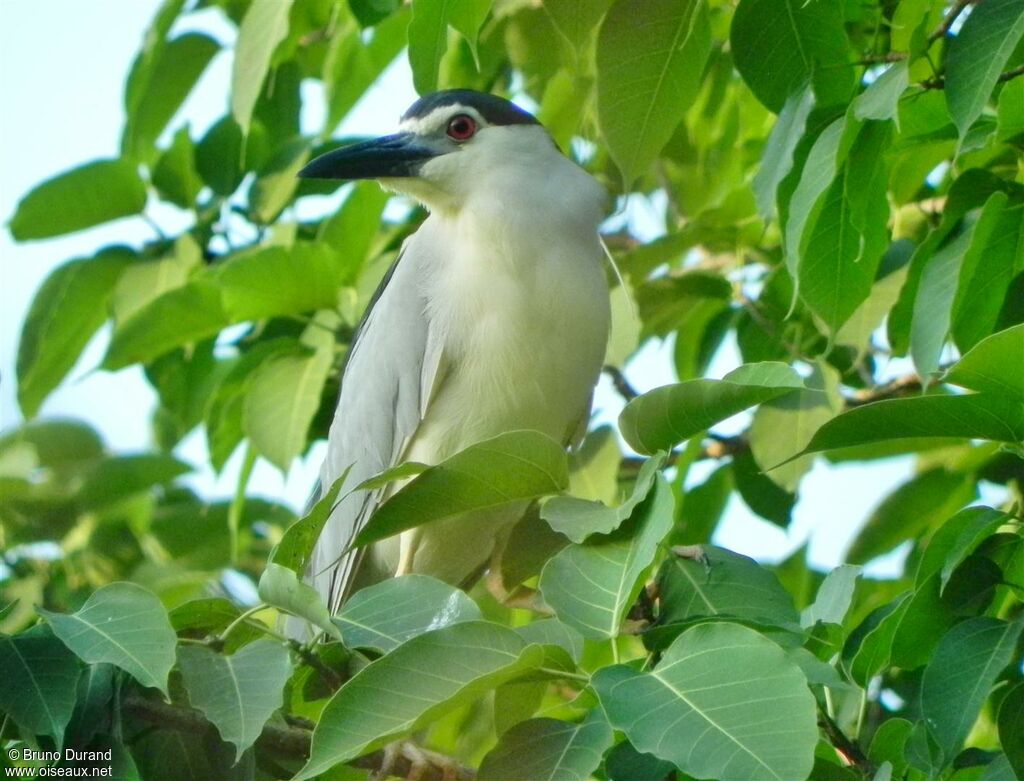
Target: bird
(494,317)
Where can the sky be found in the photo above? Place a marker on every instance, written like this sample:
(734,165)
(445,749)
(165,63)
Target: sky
(62,66)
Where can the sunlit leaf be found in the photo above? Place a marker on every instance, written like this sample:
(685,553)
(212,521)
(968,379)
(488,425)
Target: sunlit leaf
(281,587)
(264,26)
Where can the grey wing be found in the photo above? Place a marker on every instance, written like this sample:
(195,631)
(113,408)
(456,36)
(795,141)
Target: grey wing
(388,379)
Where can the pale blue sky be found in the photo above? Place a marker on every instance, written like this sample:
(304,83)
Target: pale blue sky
(62,64)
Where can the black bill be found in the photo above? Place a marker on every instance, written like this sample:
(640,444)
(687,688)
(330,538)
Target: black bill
(399,155)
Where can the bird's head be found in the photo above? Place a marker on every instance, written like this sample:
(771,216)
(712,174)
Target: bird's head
(449,144)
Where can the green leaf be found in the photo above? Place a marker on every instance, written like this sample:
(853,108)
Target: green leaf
(591,586)
(921,502)
(173,75)
(666,416)
(729,586)
(124,625)
(282,397)
(956,684)
(281,587)
(880,100)
(175,175)
(977,416)
(383,616)
(625,763)
(264,26)
(977,55)
(577,518)
(275,187)
(88,195)
(847,237)
(700,708)
(350,230)
(576,19)
(296,545)
(119,477)
(780,46)
(994,365)
(511,467)
(782,427)
(1011,727)
(145,280)
(1010,122)
(65,313)
(777,160)
(37,688)
(57,444)
(549,749)
(874,650)
(648,76)
(978,524)
(275,281)
(181,316)
(237,693)
(551,631)
(428,34)
(835,595)
(760,493)
(425,677)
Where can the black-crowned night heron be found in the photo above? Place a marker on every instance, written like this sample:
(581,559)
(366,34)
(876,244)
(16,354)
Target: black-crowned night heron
(493,318)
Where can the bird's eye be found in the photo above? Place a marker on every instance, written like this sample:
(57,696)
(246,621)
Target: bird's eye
(461,127)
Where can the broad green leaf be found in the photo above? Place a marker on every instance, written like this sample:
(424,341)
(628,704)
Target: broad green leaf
(591,586)
(282,397)
(994,365)
(93,695)
(37,688)
(577,518)
(777,160)
(350,230)
(977,416)
(207,615)
(424,678)
(874,649)
(888,742)
(957,681)
(181,316)
(428,34)
(281,587)
(383,616)
(154,43)
(625,763)
(783,426)
(143,281)
(1011,727)
(296,545)
(977,55)
(648,76)
(879,101)
(702,707)
(220,158)
(88,195)
(119,477)
(173,75)
(834,597)
(237,693)
(174,174)
(576,19)
(921,502)
(845,240)
(666,416)
(728,586)
(264,26)
(276,281)
(388,476)
(511,467)
(551,631)
(274,188)
(549,749)
(124,625)
(1010,126)
(780,46)
(760,493)
(979,524)
(65,313)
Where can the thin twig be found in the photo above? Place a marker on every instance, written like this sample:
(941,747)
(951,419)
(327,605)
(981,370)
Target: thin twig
(943,29)
(622,385)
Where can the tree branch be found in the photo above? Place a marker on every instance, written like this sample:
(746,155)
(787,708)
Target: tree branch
(622,385)
(291,742)
(954,13)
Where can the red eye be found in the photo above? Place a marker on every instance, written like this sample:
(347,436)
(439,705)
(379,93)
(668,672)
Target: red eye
(461,127)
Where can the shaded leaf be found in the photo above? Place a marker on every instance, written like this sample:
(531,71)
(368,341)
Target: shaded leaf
(119,477)
(124,625)
(699,708)
(647,76)
(592,585)
(383,616)
(175,175)
(1011,727)
(551,631)
(67,310)
(237,693)
(665,416)
(88,195)
(549,749)
(296,546)
(511,467)
(777,160)
(425,677)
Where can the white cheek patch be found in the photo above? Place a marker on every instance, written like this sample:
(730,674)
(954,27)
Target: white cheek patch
(434,122)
